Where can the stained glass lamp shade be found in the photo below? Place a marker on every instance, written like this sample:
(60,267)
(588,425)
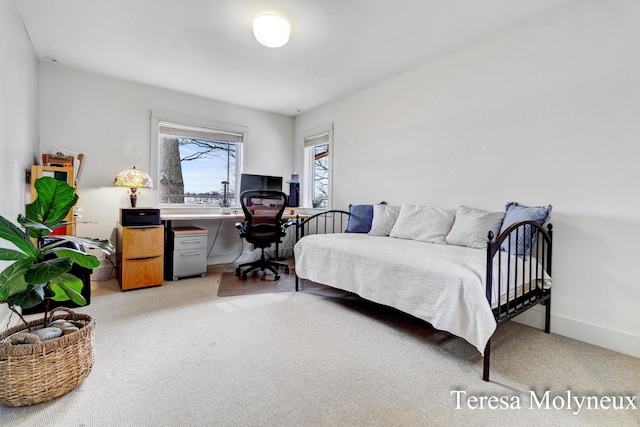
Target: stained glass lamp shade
(133,179)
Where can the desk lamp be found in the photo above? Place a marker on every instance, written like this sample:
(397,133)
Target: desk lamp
(133,179)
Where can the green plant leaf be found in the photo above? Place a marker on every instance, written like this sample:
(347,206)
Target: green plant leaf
(30,224)
(31,278)
(45,271)
(94,243)
(90,242)
(68,287)
(12,278)
(81,258)
(27,298)
(55,199)
(10,232)
(48,292)
(11,255)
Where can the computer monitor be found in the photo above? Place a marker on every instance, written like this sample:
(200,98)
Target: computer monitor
(260,182)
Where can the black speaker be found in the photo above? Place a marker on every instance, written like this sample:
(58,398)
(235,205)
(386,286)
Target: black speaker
(294,194)
(139,216)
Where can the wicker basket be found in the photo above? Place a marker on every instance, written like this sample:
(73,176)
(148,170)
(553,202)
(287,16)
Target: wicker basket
(39,372)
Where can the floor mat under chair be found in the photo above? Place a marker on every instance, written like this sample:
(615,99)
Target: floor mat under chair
(231,284)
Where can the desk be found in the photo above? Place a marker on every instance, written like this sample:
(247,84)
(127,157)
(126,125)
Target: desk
(192,216)
(168,219)
(205,216)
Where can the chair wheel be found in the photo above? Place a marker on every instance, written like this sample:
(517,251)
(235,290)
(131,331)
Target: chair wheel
(244,276)
(238,271)
(277,277)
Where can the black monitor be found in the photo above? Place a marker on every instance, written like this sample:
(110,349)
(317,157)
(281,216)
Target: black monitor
(260,182)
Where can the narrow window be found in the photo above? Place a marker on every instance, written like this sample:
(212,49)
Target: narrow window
(318,170)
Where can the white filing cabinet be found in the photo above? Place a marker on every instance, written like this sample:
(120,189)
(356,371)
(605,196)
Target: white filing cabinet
(189,252)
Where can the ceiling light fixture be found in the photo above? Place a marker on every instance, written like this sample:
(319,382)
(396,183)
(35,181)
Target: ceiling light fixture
(271,30)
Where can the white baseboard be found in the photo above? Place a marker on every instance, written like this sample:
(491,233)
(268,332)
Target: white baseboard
(621,342)
(4,317)
(103,272)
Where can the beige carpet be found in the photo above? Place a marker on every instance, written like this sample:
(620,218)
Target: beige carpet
(179,355)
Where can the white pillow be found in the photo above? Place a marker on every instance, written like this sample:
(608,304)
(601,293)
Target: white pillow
(423,223)
(384,217)
(472,226)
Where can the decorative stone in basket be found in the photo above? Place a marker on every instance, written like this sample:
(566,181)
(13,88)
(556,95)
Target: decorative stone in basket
(36,371)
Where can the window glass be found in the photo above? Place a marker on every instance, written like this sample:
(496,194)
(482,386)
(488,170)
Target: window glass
(317,175)
(197,166)
(320,197)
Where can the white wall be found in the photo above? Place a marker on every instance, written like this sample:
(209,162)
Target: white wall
(108,120)
(18,117)
(544,113)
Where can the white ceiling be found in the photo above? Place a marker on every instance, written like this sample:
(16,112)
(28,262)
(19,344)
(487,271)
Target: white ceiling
(207,48)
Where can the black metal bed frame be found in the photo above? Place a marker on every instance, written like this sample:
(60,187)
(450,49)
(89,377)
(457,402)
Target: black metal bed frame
(334,221)
(313,225)
(530,296)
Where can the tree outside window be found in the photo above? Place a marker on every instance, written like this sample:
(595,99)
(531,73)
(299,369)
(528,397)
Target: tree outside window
(192,170)
(317,174)
(320,197)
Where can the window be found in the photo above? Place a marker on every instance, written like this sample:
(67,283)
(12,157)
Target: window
(197,166)
(318,169)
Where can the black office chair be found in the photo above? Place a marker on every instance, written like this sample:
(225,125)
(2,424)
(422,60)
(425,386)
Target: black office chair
(262,227)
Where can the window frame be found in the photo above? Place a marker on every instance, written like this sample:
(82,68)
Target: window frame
(308,189)
(158,118)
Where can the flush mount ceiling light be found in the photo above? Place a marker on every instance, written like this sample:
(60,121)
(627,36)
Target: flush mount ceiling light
(271,30)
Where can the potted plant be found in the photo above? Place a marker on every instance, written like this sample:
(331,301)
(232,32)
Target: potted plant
(41,272)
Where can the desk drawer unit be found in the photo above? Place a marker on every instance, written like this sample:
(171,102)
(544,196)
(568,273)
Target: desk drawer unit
(140,256)
(189,252)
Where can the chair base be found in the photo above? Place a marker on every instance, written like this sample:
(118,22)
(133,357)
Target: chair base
(263,264)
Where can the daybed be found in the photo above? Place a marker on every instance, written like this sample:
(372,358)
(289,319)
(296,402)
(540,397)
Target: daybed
(440,265)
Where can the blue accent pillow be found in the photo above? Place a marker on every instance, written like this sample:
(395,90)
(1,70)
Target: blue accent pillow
(517,213)
(360,219)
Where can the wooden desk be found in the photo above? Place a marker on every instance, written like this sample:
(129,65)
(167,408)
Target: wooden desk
(218,216)
(199,216)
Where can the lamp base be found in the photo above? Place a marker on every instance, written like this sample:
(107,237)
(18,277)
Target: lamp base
(134,200)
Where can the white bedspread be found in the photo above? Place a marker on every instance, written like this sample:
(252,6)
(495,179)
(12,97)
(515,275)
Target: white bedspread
(442,284)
